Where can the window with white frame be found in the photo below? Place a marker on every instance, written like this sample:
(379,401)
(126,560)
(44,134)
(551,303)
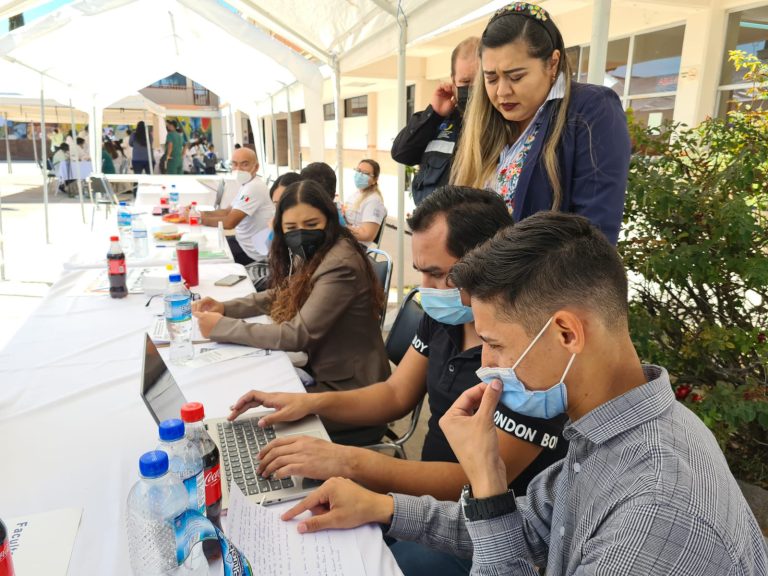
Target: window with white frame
(747,31)
(642,69)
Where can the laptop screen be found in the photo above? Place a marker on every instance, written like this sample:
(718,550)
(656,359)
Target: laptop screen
(159,390)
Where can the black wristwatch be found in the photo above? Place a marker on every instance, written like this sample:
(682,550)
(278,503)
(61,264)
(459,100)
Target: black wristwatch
(486,508)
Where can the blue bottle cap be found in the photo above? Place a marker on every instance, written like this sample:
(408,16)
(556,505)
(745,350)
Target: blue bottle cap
(123,204)
(153,464)
(174,278)
(171,430)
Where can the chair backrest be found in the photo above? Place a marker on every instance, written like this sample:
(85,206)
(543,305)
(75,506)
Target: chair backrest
(380,233)
(404,328)
(100,185)
(382,267)
(219,194)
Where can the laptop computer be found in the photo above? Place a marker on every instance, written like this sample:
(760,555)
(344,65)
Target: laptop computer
(239,442)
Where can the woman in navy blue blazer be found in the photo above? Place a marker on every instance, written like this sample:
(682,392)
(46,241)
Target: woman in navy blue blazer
(540,140)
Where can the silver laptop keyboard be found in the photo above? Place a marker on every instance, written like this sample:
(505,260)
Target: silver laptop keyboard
(241,442)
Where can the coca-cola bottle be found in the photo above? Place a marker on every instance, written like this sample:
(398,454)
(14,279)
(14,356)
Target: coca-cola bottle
(116,263)
(6,562)
(192,413)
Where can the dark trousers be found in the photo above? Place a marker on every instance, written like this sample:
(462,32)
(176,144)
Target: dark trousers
(237,251)
(140,166)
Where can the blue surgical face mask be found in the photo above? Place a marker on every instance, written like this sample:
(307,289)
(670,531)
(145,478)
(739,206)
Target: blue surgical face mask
(361,180)
(515,396)
(445,306)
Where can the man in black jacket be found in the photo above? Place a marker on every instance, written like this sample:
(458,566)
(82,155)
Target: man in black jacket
(430,137)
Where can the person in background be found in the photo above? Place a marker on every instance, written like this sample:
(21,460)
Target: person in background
(323,174)
(141,154)
(125,146)
(249,214)
(365,212)
(80,151)
(210,161)
(541,140)
(120,160)
(108,155)
(430,137)
(60,155)
(56,139)
(174,149)
(196,152)
(441,364)
(324,299)
(237,146)
(280,184)
(644,487)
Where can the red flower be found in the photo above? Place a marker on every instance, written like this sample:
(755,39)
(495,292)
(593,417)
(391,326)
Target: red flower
(682,391)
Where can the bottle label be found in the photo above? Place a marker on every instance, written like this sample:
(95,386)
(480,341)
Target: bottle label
(195,486)
(194,220)
(178,310)
(212,485)
(117,266)
(191,527)
(138,234)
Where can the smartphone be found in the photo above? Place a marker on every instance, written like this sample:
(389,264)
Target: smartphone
(230,280)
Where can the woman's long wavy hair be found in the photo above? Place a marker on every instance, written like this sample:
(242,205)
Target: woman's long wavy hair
(290,276)
(486,132)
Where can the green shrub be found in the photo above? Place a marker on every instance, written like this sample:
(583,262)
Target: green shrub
(696,249)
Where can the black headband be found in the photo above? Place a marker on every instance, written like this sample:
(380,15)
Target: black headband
(532,11)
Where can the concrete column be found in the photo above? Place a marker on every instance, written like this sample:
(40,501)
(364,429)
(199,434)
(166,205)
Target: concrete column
(701,64)
(601,17)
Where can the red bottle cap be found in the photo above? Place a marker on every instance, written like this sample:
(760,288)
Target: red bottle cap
(192,412)
(163,200)
(194,203)
(114,239)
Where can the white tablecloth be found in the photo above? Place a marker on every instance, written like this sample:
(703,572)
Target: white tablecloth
(93,255)
(72,422)
(72,169)
(190,190)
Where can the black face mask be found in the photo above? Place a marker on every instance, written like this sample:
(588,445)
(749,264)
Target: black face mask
(462,97)
(304,243)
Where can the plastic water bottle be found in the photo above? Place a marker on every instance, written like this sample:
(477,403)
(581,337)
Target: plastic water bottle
(178,318)
(195,218)
(185,462)
(154,502)
(116,269)
(124,225)
(140,240)
(192,413)
(174,198)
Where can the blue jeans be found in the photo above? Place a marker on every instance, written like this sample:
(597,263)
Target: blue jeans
(417,560)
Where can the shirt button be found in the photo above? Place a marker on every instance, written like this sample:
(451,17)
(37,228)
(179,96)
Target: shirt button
(562,531)
(451,368)
(577,467)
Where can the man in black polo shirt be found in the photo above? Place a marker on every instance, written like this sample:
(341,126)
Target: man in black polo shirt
(441,362)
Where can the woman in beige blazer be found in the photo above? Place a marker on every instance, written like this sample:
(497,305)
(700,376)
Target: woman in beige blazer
(324,300)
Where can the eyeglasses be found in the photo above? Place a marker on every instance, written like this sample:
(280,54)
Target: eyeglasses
(361,172)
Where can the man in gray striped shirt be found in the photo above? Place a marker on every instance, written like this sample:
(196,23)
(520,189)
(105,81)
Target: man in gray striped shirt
(644,488)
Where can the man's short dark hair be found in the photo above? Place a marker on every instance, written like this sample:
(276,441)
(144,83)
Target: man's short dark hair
(473,216)
(543,264)
(283,180)
(323,174)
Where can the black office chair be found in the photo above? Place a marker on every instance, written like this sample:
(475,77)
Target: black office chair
(399,340)
(382,266)
(102,194)
(380,233)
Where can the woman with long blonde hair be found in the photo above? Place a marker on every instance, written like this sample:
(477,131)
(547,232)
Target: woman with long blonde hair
(542,141)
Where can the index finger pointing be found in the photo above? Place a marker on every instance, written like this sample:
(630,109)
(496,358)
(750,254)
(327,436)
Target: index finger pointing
(315,499)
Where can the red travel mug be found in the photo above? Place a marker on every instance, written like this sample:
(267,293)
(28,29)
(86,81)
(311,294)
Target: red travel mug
(187,255)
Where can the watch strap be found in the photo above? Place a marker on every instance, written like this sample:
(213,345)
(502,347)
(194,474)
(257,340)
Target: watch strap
(487,508)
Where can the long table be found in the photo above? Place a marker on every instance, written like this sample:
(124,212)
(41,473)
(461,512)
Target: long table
(72,422)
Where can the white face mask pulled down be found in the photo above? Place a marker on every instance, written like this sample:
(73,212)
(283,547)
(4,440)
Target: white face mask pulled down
(242,177)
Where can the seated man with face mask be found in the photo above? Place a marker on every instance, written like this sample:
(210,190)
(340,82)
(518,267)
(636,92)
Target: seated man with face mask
(324,299)
(250,212)
(441,364)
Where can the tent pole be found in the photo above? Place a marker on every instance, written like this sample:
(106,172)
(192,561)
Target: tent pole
(401,102)
(339,126)
(77,166)
(150,152)
(44,171)
(2,241)
(274,136)
(601,16)
(96,130)
(290,128)
(7,146)
(34,145)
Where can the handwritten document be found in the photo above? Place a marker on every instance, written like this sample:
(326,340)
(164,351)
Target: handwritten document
(275,547)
